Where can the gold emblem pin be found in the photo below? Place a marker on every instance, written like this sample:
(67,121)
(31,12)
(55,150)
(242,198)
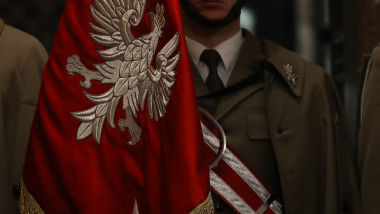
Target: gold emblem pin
(290,74)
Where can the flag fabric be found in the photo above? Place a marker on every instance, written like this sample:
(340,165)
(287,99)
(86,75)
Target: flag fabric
(117,129)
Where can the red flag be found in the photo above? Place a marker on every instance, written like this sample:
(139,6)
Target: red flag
(117,65)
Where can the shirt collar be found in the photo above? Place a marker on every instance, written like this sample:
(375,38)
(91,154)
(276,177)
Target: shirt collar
(227,50)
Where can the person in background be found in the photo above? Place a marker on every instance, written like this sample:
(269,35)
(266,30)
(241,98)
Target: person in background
(280,113)
(369,136)
(22,59)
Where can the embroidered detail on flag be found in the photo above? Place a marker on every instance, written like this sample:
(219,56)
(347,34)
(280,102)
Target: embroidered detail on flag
(206,207)
(128,66)
(27,203)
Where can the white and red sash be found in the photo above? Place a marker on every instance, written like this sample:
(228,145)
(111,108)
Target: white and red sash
(236,183)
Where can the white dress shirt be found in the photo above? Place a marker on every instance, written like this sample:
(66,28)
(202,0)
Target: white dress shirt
(228,51)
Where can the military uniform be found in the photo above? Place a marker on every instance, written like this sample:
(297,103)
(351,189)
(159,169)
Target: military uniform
(289,126)
(22,59)
(369,137)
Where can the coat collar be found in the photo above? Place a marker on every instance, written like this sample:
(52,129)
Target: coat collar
(280,58)
(253,52)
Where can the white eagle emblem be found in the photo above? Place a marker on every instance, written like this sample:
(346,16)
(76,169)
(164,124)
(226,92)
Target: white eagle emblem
(127,66)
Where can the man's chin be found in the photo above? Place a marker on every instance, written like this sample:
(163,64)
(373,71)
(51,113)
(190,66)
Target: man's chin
(211,21)
(214,17)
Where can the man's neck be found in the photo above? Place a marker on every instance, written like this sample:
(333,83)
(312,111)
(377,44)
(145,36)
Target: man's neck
(207,36)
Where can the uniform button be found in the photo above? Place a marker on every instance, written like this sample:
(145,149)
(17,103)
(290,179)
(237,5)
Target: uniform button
(16,190)
(279,131)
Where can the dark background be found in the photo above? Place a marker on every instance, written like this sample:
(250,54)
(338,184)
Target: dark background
(336,34)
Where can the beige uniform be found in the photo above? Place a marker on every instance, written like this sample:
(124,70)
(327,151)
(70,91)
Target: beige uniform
(22,59)
(369,138)
(291,132)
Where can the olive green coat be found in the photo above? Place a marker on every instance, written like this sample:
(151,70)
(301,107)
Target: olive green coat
(22,59)
(304,123)
(369,138)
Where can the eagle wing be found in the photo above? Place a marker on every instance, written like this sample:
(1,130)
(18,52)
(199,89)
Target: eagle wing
(155,87)
(114,19)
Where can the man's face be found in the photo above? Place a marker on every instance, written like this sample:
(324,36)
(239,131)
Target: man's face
(213,9)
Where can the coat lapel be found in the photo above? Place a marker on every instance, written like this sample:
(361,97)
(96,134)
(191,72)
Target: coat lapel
(280,58)
(232,100)
(201,89)
(245,66)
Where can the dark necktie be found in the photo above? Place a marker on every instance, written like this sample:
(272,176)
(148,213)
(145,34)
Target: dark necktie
(212,58)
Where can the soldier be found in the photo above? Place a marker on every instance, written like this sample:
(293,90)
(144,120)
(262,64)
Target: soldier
(22,59)
(369,135)
(280,113)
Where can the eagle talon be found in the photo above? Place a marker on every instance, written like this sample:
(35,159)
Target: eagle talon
(85,84)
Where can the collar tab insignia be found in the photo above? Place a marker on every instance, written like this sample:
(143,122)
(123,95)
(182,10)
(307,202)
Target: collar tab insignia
(291,74)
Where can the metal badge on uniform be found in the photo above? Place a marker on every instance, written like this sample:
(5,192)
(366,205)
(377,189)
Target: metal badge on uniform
(291,74)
